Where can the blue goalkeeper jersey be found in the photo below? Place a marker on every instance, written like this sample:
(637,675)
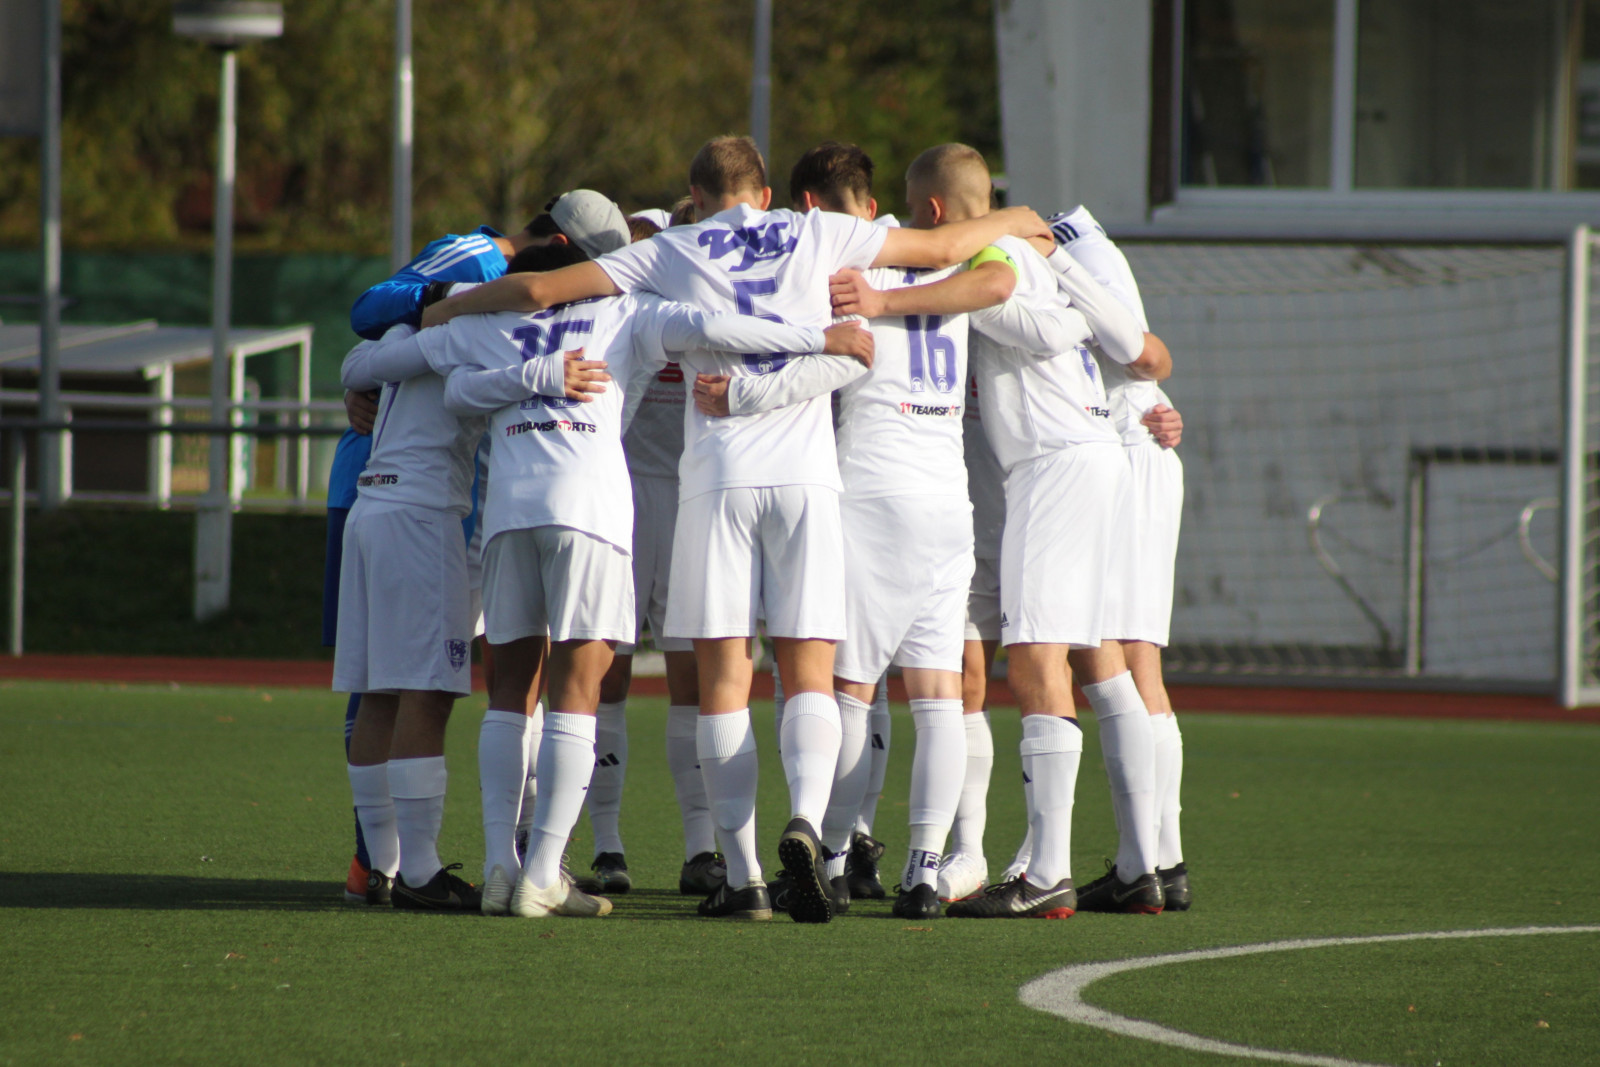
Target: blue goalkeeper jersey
(470,258)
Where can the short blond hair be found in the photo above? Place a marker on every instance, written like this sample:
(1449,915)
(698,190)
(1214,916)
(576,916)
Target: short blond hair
(728,165)
(953,172)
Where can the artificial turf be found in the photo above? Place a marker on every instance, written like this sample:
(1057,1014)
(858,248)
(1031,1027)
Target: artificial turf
(171,863)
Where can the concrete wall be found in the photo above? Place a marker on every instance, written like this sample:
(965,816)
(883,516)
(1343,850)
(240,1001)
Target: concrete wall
(1075,105)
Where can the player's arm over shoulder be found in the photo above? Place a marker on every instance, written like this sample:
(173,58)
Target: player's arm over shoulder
(528,291)
(954,242)
(987,281)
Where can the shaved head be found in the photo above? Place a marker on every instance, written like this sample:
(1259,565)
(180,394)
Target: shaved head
(956,174)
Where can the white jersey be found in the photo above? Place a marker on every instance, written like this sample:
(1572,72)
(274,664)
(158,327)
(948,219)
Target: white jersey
(1041,387)
(900,423)
(557,461)
(653,441)
(986,482)
(421,453)
(775,265)
(1086,242)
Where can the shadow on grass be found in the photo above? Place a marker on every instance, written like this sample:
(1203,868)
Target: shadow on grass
(48,889)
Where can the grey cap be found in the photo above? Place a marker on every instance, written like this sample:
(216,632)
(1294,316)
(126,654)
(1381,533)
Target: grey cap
(591,221)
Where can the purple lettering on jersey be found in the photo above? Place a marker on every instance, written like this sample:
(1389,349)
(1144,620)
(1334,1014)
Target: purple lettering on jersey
(933,355)
(766,241)
(1088,362)
(744,299)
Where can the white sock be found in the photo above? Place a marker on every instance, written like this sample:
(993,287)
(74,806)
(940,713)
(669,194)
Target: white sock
(566,762)
(777,708)
(810,752)
(610,768)
(369,791)
(727,747)
(849,781)
(1052,748)
(1128,747)
(534,730)
(972,813)
(699,834)
(1024,856)
(936,772)
(417,786)
(502,776)
(879,751)
(1169,779)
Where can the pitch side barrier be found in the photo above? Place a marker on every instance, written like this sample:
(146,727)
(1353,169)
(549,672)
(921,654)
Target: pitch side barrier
(17,430)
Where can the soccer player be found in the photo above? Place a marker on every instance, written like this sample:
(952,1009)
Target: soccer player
(1141,606)
(404,627)
(1050,427)
(758,510)
(906,517)
(559,527)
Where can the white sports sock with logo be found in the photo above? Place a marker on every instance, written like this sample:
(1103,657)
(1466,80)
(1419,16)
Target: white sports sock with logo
(879,751)
(1128,748)
(530,790)
(810,753)
(849,781)
(683,761)
(972,813)
(727,747)
(1052,748)
(1169,780)
(417,786)
(502,775)
(369,789)
(566,762)
(610,768)
(937,766)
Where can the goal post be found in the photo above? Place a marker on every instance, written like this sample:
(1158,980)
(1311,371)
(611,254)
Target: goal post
(1389,461)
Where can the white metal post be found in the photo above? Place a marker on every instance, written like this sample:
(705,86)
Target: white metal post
(1574,466)
(53,456)
(19,478)
(214,519)
(761,80)
(302,447)
(1342,151)
(400,224)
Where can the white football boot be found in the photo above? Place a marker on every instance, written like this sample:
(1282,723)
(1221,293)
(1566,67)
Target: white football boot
(497,889)
(961,875)
(528,901)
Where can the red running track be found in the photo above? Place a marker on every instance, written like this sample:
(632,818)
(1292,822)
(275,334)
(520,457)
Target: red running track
(318,674)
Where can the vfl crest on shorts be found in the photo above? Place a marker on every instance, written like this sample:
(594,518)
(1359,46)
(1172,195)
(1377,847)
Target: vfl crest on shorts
(457,651)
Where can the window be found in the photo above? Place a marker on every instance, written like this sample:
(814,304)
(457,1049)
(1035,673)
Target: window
(1391,94)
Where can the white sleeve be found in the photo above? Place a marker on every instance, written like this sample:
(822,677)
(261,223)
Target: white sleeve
(682,327)
(1109,267)
(473,390)
(394,359)
(1117,331)
(635,267)
(799,380)
(1043,328)
(851,242)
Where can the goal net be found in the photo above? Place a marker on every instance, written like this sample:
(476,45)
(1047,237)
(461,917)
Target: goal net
(1373,443)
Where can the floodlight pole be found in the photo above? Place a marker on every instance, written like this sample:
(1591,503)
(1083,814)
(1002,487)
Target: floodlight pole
(400,225)
(53,474)
(761,80)
(214,519)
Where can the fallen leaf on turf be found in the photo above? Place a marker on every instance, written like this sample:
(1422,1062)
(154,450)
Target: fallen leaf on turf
(1235,796)
(924,928)
(205,859)
(224,718)
(234,956)
(1541,1025)
(284,986)
(545,937)
(266,697)
(74,1037)
(1411,1007)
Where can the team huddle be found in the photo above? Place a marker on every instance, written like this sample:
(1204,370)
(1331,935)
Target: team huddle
(889,446)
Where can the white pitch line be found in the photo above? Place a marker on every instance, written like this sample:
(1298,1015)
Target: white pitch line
(1061,992)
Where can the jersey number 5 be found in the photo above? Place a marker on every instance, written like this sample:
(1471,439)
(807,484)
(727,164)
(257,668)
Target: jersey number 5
(744,297)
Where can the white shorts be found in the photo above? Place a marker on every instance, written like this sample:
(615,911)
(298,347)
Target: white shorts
(983,601)
(558,581)
(404,620)
(775,551)
(1141,608)
(1064,512)
(906,580)
(655,515)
